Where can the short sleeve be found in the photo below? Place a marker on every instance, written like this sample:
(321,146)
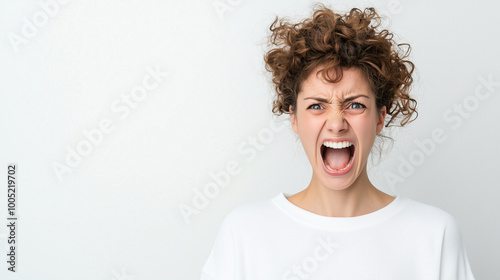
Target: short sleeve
(220,263)
(454,261)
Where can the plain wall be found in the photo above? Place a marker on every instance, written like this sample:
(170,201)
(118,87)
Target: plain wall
(119,113)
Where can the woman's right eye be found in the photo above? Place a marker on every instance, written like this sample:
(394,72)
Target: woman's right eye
(315,107)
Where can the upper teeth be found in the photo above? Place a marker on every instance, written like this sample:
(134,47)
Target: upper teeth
(337,145)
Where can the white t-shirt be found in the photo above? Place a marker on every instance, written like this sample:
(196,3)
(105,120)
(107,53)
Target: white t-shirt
(278,240)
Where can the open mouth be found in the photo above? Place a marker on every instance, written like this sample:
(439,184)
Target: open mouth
(337,156)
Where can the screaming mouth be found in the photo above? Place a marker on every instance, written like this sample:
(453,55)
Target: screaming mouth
(337,156)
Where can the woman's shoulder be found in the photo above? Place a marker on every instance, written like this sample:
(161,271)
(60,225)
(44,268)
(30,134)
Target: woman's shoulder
(427,214)
(258,211)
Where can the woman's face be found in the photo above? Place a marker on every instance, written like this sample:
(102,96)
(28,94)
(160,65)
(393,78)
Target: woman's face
(337,115)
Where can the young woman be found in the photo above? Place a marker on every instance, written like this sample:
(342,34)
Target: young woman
(341,80)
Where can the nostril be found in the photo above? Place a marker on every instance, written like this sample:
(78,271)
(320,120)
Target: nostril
(339,127)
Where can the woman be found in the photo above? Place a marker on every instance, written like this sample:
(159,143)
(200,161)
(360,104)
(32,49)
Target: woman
(341,80)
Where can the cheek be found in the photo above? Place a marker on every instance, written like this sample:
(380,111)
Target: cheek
(365,128)
(308,123)
(309,129)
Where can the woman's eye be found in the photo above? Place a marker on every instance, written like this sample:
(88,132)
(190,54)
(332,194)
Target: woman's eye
(356,105)
(315,107)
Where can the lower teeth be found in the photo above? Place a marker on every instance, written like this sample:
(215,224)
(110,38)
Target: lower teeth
(329,168)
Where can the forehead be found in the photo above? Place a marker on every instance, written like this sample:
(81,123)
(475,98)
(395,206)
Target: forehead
(353,82)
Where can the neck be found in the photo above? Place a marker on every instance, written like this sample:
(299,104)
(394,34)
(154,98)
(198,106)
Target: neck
(360,198)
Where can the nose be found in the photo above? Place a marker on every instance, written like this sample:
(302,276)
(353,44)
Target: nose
(336,123)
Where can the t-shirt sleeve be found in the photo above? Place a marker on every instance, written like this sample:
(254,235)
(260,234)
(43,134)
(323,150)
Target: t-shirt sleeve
(221,261)
(454,261)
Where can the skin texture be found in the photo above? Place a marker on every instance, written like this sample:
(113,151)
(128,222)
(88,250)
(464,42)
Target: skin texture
(351,194)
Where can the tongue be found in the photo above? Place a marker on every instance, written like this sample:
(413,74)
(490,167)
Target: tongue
(337,158)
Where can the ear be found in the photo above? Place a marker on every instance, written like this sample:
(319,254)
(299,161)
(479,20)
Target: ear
(293,119)
(381,119)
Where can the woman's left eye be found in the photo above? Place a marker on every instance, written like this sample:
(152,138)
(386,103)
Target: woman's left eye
(356,105)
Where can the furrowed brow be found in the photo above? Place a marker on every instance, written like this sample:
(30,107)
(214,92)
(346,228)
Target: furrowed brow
(324,100)
(319,99)
(355,96)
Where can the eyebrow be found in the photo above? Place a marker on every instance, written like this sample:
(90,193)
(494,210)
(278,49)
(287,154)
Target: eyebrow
(345,100)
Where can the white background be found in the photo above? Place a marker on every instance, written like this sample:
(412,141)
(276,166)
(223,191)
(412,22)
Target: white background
(116,214)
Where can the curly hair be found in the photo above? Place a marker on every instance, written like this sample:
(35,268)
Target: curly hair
(337,41)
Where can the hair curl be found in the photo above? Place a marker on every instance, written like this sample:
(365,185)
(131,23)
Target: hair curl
(341,41)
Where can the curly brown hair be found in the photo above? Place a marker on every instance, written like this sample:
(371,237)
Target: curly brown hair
(337,41)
